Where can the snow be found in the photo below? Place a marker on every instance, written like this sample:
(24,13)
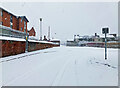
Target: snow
(33,38)
(11,38)
(42,41)
(70,39)
(109,36)
(0,75)
(61,66)
(55,39)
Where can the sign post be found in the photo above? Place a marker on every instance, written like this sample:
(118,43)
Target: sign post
(105,31)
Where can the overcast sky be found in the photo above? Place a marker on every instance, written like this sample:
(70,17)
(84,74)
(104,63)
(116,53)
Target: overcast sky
(67,18)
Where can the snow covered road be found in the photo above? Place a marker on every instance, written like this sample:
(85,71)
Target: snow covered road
(61,66)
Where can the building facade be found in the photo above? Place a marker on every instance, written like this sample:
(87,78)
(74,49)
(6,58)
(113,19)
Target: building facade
(12,23)
(32,32)
(13,30)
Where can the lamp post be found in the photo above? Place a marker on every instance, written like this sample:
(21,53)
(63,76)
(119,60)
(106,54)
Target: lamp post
(105,31)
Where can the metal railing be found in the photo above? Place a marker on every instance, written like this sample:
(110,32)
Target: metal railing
(9,32)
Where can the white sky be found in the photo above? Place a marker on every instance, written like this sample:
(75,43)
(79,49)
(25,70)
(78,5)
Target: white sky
(67,18)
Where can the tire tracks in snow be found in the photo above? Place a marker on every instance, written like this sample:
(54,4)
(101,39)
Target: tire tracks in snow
(60,73)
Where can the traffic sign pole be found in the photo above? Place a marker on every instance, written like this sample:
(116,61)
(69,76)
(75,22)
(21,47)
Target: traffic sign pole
(105,47)
(105,31)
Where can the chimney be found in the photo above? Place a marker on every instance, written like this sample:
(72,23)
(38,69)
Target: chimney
(95,34)
(40,28)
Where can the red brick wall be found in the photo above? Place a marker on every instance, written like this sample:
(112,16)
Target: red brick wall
(14,22)
(21,25)
(6,19)
(8,48)
(12,47)
(32,46)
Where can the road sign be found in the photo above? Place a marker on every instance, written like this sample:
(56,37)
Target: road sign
(105,30)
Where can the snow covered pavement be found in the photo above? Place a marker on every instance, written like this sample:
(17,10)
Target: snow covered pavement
(61,66)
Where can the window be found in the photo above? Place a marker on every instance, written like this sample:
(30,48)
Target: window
(21,20)
(21,28)
(24,26)
(1,23)
(11,24)
(10,18)
(1,13)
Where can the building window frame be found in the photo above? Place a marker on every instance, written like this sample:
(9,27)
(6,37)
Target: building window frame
(21,20)
(11,22)
(24,26)
(1,13)
(1,23)
(21,28)
(11,26)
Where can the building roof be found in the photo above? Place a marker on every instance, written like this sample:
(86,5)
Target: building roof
(24,17)
(8,12)
(32,29)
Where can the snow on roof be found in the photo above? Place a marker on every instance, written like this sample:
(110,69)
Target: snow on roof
(70,39)
(77,37)
(33,37)
(102,36)
(41,41)
(11,38)
(55,39)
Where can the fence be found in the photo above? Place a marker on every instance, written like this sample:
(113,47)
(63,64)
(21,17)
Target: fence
(7,31)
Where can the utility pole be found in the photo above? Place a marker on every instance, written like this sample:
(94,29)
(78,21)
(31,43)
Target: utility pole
(49,33)
(105,31)
(40,28)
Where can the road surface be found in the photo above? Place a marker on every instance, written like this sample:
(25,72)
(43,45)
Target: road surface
(61,66)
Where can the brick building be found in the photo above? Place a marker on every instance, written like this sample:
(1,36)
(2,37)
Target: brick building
(13,31)
(8,19)
(32,32)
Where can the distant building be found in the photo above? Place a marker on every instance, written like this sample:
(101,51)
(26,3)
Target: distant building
(94,40)
(57,41)
(32,32)
(71,42)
